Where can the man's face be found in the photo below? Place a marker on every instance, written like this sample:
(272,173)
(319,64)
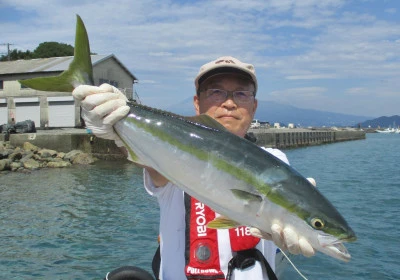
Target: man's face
(236,117)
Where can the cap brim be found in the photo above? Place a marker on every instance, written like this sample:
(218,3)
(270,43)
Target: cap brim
(222,70)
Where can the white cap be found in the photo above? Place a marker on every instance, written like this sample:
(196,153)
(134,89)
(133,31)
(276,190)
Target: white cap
(225,64)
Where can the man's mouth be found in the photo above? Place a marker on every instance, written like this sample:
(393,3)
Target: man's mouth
(226,117)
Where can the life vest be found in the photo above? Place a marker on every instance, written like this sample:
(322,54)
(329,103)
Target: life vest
(202,256)
(201,252)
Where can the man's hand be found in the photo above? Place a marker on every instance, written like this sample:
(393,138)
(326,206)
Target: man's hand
(286,238)
(102,107)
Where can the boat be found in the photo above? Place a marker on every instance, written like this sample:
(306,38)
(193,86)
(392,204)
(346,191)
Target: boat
(255,124)
(387,130)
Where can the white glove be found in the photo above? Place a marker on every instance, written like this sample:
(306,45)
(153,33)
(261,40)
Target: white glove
(102,107)
(287,238)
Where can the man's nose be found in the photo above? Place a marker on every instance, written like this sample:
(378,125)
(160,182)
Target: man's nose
(229,101)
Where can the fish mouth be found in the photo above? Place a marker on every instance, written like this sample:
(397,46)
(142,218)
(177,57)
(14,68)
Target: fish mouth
(339,251)
(334,247)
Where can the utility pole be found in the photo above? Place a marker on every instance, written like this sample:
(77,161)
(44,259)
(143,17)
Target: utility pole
(8,49)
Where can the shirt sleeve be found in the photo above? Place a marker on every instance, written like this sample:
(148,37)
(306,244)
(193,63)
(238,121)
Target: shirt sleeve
(151,188)
(277,153)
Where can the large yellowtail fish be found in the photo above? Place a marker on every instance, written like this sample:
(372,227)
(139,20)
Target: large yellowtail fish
(235,177)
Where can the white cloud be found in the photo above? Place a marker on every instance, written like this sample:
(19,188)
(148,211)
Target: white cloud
(309,48)
(312,77)
(357,91)
(391,11)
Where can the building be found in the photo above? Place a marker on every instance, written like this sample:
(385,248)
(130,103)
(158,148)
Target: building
(53,109)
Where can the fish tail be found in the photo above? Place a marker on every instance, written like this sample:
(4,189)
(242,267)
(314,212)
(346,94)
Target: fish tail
(79,72)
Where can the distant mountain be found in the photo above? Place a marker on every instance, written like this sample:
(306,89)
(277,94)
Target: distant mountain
(383,122)
(274,112)
(184,108)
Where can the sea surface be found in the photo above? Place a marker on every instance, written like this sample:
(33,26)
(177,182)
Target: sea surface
(82,222)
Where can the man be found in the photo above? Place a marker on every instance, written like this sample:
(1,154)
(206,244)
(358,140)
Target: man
(225,90)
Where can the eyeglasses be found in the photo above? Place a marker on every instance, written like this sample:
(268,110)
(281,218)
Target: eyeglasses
(220,95)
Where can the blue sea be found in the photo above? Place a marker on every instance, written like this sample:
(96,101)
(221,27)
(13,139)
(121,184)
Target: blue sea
(82,222)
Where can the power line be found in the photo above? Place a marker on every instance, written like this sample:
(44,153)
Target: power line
(8,49)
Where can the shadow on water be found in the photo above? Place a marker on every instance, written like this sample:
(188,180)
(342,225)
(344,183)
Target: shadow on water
(76,223)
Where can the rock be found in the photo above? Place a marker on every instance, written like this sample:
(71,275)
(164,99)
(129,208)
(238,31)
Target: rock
(46,153)
(31,164)
(14,166)
(31,157)
(84,159)
(5,153)
(30,147)
(16,155)
(27,156)
(5,164)
(36,157)
(56,159)
(72,154)
(7,145)
(60,155)
(48,159)
(18,149)
(58,164)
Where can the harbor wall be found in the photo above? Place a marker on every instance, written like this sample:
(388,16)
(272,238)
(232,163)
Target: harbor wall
(292,138)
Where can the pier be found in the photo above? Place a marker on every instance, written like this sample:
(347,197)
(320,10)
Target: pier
(283,138)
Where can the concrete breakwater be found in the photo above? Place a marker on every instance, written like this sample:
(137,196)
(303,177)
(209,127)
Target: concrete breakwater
(298,137)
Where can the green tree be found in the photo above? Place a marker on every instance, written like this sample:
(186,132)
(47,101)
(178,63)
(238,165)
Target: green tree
(46,49)
(53,49)
(17,54)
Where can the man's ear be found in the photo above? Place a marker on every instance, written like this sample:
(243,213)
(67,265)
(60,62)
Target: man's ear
(196,103)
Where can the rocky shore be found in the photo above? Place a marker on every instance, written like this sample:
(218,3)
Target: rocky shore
(30,157)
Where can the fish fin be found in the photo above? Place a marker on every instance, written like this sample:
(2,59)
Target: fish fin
(79,72)
(206,120)
(246,195)
(133,157)
(222,223)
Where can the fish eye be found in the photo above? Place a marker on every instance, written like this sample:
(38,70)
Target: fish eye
(317,223)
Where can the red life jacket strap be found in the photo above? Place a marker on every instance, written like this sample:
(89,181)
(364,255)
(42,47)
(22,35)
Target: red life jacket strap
(202,257)
(201,252)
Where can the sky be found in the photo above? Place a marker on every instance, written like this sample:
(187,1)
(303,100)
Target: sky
(330,55)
